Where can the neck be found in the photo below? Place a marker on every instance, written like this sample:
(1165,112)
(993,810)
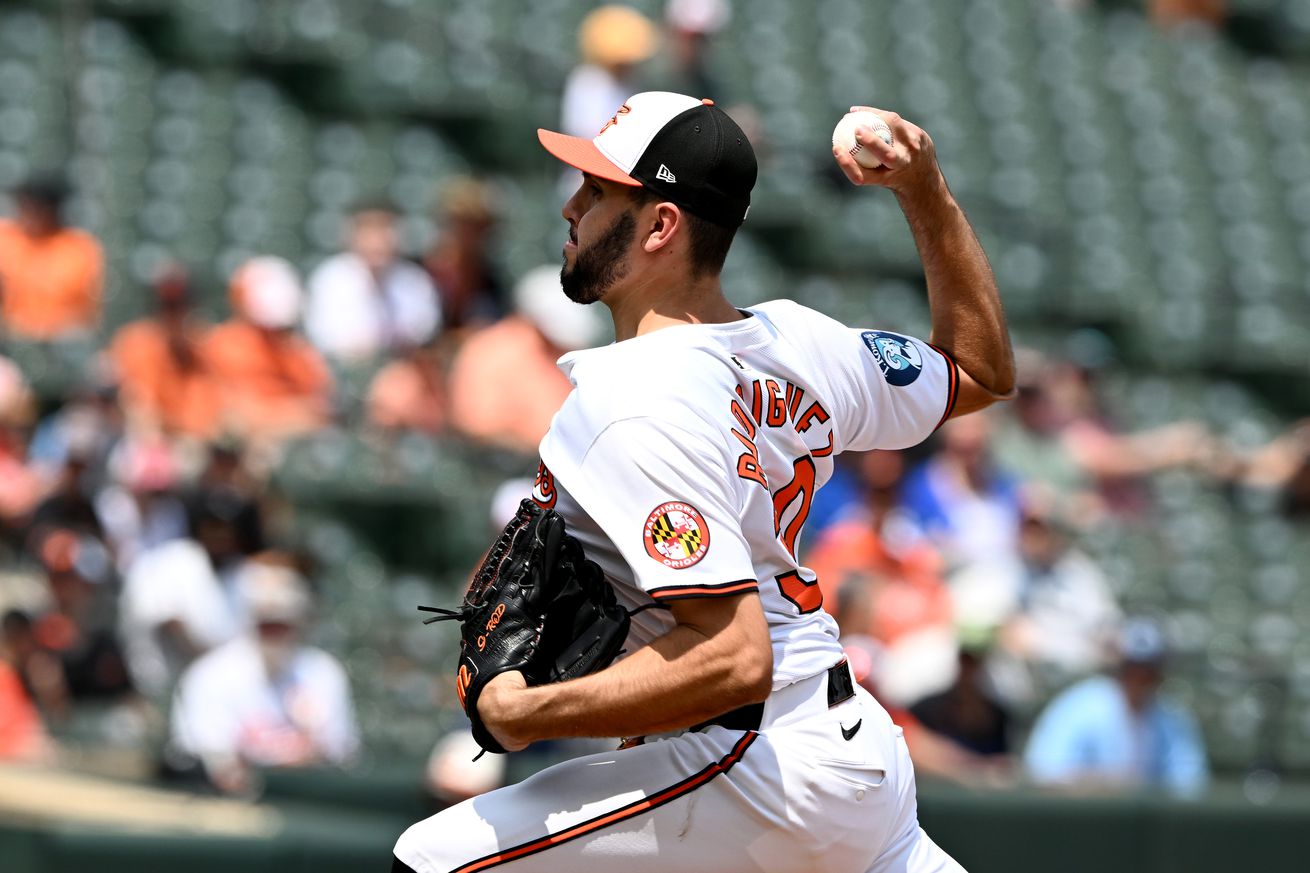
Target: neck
(656,303)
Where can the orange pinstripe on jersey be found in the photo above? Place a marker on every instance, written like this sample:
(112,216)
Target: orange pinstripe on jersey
(673,792)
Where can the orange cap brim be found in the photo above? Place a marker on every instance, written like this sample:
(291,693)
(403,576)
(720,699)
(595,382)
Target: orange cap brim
(583,154)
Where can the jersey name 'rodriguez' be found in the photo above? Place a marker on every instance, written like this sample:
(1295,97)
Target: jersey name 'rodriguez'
(685,460)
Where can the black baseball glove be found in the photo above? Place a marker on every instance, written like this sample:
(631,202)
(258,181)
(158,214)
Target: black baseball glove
(536,605)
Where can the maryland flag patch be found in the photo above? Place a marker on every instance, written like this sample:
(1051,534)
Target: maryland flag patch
(676,535)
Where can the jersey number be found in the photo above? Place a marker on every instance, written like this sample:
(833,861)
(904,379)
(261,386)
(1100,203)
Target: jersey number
(800,487)
(799,492)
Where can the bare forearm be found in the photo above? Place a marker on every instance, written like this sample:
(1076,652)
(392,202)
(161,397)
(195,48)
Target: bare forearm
(680,679)
(967,319)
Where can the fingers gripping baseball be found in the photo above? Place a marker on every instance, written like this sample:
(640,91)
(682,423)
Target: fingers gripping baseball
(909,158)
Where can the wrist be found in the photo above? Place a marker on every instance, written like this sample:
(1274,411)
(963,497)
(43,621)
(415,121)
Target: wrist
(928,191)
(505,712)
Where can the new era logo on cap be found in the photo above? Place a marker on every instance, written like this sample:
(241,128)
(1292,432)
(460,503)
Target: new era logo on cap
(716,164)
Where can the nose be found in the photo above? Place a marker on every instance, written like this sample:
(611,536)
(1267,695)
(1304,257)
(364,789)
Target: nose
(571,212)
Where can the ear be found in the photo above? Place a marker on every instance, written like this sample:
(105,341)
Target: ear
(664,229)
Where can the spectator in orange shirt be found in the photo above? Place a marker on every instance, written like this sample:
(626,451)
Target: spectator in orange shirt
(163,377)
(409,394)
(51,276)
(272,381)
(22,736)
(504,385)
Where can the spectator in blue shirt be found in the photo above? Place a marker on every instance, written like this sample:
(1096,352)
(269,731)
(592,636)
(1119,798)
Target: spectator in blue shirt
(1116,731)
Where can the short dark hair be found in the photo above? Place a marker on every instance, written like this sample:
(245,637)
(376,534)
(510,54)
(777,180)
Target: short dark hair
(709,241)
(47,192)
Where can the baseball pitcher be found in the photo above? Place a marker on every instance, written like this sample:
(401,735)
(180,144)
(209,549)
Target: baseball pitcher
(668,509)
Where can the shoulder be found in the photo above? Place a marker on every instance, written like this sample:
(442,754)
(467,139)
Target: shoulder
(340,269)
(1092,695)
(1173,716)
(411,274)
(169,558)
(134,335)
(671,380)
(83,238)
(228,332)
(790,309)
(223,664)
(322,666)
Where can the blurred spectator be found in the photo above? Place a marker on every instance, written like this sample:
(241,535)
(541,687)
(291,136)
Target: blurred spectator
(469,286)
(968,507)
(504,385)
(410,394)
(369,301)
(21,486)
(266,699)
(1282,465)
(878,547)
(69,503)
(179,599)
(159,360)
(227,490)
(1051,603)
(51,276)
(1057,438)
(933,754)
(457,769)
(1116,732)
(692,26)
(612,41)
(82,431)
(274,383)
(78,631)
(967,713)
(139,508)
(22,735)
(1171,13)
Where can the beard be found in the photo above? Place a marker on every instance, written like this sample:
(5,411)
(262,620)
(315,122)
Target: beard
(601,264)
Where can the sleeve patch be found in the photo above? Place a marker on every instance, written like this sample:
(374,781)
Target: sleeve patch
(676,535)
(898,357)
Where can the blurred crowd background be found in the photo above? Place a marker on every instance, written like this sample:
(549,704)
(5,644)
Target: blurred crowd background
(280,308)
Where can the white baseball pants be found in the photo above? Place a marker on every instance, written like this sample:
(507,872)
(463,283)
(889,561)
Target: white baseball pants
(794,797)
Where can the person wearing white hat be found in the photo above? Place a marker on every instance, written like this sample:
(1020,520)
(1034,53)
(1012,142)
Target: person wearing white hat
(265,699)
(273,383)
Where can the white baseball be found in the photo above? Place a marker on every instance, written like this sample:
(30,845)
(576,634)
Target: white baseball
(843,136)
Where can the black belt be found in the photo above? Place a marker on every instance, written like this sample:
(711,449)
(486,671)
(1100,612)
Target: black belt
(841,687)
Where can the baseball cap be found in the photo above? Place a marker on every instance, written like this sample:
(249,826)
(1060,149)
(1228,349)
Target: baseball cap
(1141,641)
(267,290)
(274,594)
(687,151)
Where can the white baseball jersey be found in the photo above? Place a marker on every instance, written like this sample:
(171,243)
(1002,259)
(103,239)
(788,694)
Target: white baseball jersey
(687,458)
(685,461)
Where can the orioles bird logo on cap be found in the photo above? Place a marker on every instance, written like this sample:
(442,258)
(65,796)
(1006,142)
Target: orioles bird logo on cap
(614,119)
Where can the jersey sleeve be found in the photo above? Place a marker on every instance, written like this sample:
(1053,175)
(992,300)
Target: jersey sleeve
(665,497)
(889,391)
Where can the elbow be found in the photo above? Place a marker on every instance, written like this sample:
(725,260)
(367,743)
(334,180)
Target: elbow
(754,673)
